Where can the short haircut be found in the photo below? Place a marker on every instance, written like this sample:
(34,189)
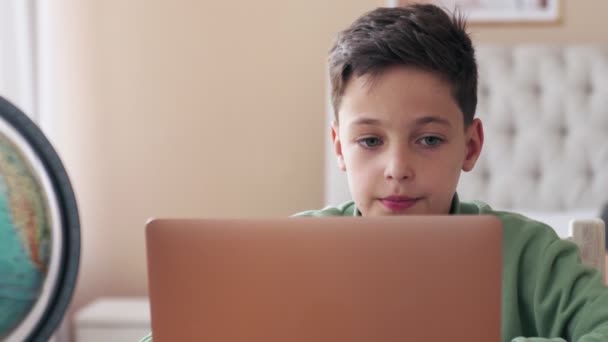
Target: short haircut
(421,36)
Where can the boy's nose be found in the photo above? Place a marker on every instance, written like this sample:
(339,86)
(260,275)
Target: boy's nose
(398,168)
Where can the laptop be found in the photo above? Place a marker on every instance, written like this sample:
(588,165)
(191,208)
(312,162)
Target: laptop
(408,278)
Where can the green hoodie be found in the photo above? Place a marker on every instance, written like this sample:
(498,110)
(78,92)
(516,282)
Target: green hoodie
(547,295)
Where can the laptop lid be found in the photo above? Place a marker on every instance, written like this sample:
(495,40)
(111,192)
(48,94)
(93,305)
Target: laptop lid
(408,278)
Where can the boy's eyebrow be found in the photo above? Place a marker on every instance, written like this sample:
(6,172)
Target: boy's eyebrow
(418,122)
(432,119)
(366,121)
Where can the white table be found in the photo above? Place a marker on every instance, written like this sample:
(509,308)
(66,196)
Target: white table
(113,319)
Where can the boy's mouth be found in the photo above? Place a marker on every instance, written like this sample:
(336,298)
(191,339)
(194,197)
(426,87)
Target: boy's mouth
(398,203)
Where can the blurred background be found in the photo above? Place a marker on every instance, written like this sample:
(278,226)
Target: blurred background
(198,108)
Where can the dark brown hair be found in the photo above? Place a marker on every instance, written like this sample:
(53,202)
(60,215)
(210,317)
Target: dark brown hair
(422,36)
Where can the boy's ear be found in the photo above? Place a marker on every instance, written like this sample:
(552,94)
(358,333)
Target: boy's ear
(474,143)
(335,138)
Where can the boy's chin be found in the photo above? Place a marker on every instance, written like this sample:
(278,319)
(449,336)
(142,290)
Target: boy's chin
(381,209)
(388,213)
(419,208)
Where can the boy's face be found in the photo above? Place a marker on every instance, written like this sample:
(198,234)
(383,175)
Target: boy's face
(402,142)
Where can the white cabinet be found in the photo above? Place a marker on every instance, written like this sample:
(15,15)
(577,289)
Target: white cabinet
(113,319)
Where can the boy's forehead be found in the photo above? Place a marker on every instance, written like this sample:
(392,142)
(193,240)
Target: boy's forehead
(403,94)
(395,80)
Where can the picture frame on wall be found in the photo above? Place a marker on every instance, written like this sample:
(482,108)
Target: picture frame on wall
(498,11)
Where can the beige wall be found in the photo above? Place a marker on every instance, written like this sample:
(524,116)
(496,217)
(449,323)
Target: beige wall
(201,108)
(582,21)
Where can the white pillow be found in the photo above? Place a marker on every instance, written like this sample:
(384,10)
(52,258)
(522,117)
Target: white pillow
(559,220)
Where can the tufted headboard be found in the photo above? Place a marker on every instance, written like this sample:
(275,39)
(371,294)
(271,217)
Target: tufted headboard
(545,115)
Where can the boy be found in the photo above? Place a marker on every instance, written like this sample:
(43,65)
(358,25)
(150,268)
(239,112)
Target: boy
(404,92)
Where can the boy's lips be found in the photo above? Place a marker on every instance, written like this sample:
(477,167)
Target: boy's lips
(398,203)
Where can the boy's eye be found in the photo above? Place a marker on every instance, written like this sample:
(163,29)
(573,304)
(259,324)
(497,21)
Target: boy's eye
(431,141)
(370,142)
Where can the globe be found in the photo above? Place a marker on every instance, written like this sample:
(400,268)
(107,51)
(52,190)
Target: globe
(39,231)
